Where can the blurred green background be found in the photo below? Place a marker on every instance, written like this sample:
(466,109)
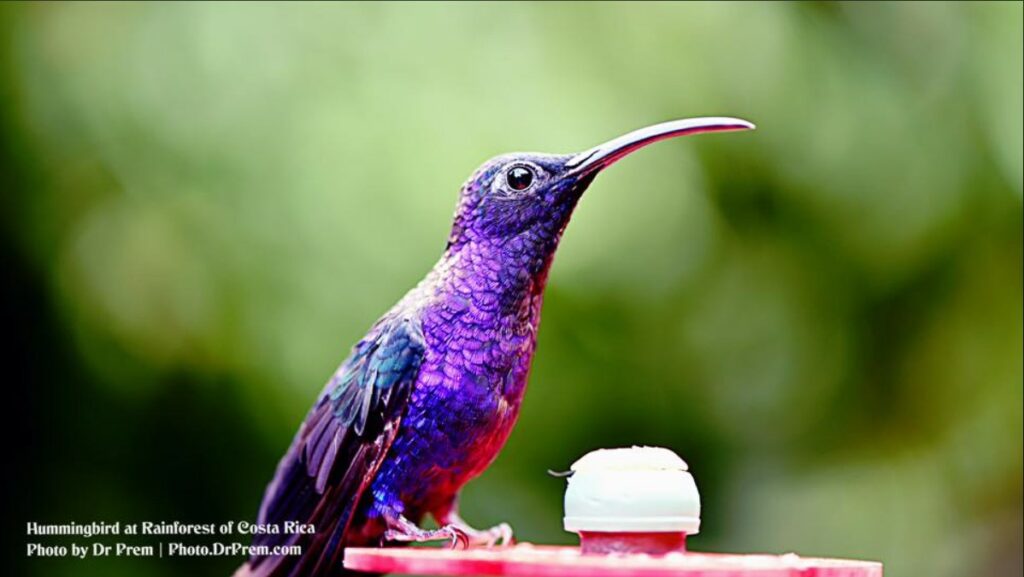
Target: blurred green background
(204,206)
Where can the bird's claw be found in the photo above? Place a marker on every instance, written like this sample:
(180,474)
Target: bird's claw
(453,529)
(457,537)
(500,535)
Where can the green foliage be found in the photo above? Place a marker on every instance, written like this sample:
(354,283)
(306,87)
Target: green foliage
(824,317)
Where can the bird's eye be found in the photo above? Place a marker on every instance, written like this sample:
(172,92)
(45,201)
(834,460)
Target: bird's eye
(519,177)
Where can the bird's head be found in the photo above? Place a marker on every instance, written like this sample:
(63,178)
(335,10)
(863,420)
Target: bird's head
(532,195)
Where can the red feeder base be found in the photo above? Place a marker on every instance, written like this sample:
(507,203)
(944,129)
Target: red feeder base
(525,560)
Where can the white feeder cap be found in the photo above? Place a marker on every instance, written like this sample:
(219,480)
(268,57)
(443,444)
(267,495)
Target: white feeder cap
(634,490)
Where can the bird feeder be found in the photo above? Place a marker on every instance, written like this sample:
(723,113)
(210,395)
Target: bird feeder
(633,510)
(638,500)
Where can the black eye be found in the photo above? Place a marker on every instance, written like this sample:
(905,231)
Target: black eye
(519,177)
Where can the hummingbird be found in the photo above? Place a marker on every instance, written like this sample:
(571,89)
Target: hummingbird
(426,400)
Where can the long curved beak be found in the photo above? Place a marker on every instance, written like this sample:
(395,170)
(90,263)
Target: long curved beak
(605,154)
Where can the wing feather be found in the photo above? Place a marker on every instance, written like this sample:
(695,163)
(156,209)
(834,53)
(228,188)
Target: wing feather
(338,449)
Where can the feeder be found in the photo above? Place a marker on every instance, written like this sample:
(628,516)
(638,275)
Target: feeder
(633,510)
(638,500)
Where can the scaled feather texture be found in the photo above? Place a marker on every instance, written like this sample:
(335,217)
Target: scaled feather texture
(426,400)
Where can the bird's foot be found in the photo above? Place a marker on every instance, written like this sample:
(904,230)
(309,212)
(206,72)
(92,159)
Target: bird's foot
(455,537)
(402,530)
(500,534)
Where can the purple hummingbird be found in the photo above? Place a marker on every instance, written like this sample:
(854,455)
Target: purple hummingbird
(426,400)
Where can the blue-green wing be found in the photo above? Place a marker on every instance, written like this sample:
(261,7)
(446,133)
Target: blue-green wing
(338,449)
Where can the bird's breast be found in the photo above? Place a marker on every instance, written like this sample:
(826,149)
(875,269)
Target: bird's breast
(464,403)
(479,321)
